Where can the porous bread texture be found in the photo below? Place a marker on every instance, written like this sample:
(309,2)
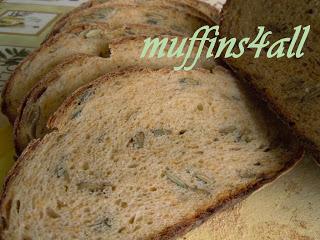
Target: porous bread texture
(291,86)
(44,99)
(86,39)
(196,8)
(119,14)
(143,155)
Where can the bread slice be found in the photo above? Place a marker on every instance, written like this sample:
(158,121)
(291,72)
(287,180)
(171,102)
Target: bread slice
(143,155)
(117,15)
(290,85)
(197,8)
(86,39)
(61,81)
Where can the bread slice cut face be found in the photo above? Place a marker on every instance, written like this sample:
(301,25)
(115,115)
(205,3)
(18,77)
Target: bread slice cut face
(143,155)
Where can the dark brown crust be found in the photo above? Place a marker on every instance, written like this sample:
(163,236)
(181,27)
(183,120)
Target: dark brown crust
(182,227)
(283,116)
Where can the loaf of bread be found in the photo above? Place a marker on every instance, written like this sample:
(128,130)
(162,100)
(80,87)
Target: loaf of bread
(290,85)
(143,155)
(92,39)
(61,81)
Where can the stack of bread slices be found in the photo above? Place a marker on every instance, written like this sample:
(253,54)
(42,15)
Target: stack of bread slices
(114,146)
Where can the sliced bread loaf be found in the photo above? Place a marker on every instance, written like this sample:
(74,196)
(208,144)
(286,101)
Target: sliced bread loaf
(117,15)
(61,81)
(290,85)
(143,155)
(86,39)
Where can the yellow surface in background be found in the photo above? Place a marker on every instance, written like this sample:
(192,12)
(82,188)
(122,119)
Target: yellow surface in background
(6,149)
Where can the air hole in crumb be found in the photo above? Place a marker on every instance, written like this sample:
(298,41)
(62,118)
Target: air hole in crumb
(85,166)
(106,53)
(8,208)
(18,206)
(182,132)
(113,188)
(60,204)
(124,205)
(131,220)
(310,11)
(150,222)
(136,228)
(153,189)
(200,107)
(51,213)
(133,165)
(121,229)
